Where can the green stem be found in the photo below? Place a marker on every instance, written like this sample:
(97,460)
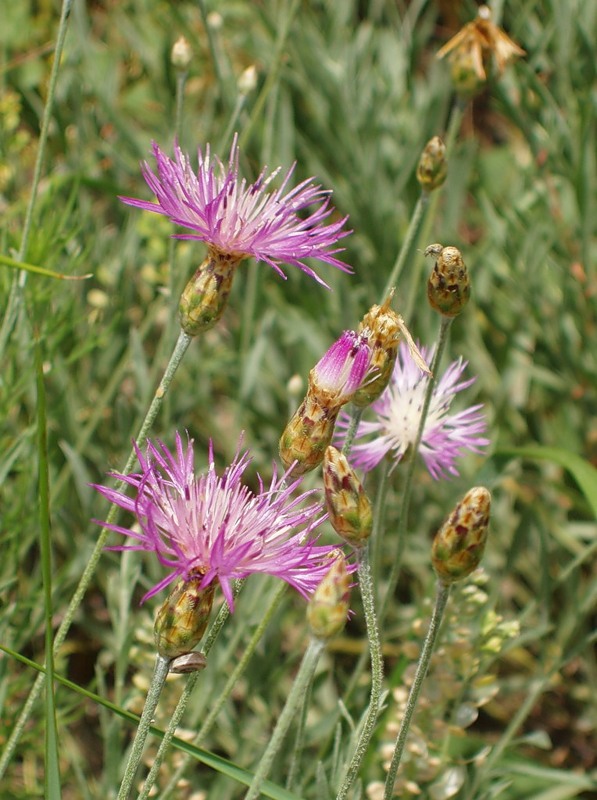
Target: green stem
(409,242)
(16,292)
(366,586)
(441,598)
(181,347)
(293,702)
(216,707)
(408,481)
(355,418)
(162,666)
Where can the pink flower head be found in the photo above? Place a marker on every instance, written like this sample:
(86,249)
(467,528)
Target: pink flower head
(397,413)
(243,219)
(216,525)
(343,368)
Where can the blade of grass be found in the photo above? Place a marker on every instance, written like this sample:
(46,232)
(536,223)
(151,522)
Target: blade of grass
(583,473)
(52,771)
(14,264)
(221,765)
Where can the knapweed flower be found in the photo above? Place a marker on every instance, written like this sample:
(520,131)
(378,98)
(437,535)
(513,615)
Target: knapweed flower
(242,219)
(333,382)
(237,220)
(215,527)
(397,414)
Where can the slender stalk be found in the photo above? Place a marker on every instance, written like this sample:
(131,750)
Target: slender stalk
(52,770)
(367,593)
(181,347)
(409,242)
(408,481)
(215,708)
(16,293)
(355,418)
(441,598)
(293,702)
(162,665)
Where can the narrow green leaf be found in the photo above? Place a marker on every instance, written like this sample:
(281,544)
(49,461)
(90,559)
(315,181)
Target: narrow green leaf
(14,264)
(583,473)
(221,765)
(52,768)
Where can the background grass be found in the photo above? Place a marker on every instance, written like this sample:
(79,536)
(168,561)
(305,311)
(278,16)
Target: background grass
(351,91)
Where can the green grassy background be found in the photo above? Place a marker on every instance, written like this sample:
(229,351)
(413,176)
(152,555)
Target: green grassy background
(351,91)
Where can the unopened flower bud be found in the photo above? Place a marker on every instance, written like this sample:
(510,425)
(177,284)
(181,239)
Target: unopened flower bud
(181,621)
(182,54)
(205,296)
(248,80)
(336,377)
(348,506)
(459,544)
(433,165)
(448,287)
(307,436)
(328,607)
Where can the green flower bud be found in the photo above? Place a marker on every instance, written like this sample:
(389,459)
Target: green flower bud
(328,607)
(181,621)
(348,506)
(459,544)
(433,166)
(205,296)
(448,287)
(307,435)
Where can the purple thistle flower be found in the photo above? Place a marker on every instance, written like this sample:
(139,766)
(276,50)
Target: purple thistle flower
(216,525)
(342,369)
(445,436)
(243,219)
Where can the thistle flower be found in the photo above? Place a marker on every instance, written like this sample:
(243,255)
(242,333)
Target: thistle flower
(397,413)
(241,219)
(333,382)
(215,527)
(471,49)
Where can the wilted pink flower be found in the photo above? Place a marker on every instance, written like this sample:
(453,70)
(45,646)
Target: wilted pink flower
(397,414)
(216,525)
(243,219)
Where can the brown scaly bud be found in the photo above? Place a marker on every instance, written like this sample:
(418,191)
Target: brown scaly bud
(433,165)
(348,506)
(459,544)
(383,328)
(181,621)
(474,47)
(448,287)
(328,607)
(307,436)
(205,296)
